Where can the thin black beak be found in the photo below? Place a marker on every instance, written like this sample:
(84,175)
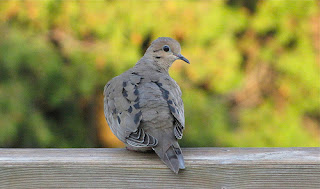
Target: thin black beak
(183,58)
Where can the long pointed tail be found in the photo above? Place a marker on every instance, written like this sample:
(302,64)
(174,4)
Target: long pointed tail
(172,157)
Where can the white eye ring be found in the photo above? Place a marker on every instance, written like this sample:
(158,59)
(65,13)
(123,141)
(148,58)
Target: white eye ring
(166,48)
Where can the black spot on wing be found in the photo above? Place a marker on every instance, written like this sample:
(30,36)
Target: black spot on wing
(136,106)
(165,94)
(124,93)
(124,84)
(172,109)
(137,117)
(130,109)
(119,121)
(136,92)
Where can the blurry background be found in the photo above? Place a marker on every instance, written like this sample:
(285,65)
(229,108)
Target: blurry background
(254,77)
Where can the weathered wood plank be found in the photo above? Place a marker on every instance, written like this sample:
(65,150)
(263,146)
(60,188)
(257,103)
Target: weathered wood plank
(119,168)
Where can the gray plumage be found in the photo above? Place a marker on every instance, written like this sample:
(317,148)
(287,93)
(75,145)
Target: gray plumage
(143,106)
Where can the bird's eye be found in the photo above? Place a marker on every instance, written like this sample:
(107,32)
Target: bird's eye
(166,48)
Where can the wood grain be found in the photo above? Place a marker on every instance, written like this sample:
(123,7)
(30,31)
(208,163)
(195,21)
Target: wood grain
(119,168)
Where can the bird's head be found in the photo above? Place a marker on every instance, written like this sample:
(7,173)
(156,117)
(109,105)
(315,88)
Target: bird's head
(164,51)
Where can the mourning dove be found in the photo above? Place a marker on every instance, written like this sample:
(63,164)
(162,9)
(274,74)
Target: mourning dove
(143,105)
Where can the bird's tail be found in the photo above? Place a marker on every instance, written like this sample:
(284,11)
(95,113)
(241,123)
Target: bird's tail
(171,156)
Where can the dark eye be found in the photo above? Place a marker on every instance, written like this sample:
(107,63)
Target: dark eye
(166,48)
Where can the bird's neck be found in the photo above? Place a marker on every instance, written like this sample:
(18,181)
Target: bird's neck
(151,64)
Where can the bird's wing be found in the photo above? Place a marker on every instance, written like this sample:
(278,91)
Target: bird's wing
(172,94)
(122,110)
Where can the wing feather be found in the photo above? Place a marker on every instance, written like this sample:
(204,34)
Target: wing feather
(172,94)
(123,113)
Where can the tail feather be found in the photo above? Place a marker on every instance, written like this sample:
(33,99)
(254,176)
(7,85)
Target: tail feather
(172,158)
(180,158)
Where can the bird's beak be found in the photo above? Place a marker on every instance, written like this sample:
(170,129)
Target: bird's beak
(183,58)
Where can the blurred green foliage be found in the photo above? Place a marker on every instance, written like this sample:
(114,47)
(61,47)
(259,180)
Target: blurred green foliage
(254,78)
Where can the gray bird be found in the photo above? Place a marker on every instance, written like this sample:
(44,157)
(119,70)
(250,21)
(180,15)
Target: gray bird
(143,105)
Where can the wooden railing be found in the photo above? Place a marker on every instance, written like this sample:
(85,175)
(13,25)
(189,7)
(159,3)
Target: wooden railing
(119,168)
